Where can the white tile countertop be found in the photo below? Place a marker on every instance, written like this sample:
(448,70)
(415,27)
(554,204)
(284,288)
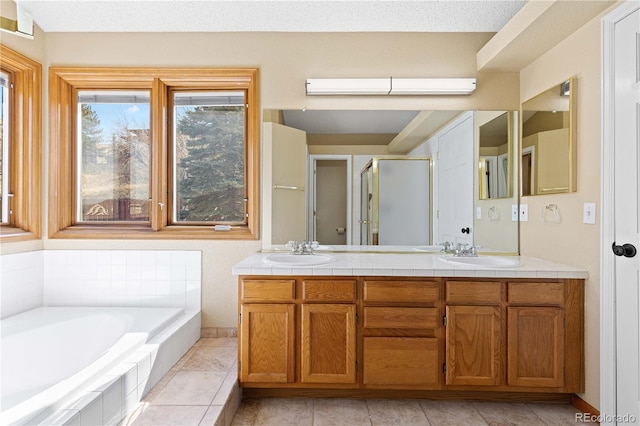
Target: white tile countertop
(409,264)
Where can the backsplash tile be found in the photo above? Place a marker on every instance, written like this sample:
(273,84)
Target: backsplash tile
(21,278)
(152,278)
(123,278)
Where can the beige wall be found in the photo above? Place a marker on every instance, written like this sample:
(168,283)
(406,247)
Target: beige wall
(571,241)
(286,59)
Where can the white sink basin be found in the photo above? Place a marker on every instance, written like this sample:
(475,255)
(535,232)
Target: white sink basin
(483,261)
(430,249)
(299,259)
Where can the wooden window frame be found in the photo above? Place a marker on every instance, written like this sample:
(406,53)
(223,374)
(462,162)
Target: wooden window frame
(25,139)
(64,82)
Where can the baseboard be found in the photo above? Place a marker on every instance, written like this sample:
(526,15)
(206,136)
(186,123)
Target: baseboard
(584,406)
(405,394)
(218,332)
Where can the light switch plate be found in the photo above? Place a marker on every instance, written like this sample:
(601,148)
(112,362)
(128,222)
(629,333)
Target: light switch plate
(514,212)
(589,213)
(524,212)
(478,212)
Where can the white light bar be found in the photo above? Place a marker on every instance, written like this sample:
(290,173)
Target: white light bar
(432,86)
(348,86)
(390,86)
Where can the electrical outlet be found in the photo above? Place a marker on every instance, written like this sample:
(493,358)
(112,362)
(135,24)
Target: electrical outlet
(589,213)
(514,212)
(524,212)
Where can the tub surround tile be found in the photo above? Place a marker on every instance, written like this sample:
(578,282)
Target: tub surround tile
(155,415)
(215,415)
(190,388)
(64,418)
(211,358)
(220,341)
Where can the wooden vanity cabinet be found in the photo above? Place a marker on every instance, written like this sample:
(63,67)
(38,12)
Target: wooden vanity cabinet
(474,333)
(422,334)
(328,351)
(544,335)
(515,335)
(267,331)
(297,331)
(401,334)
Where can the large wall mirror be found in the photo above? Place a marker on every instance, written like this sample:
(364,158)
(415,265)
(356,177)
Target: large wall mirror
(548,157)
(336,147)
(497,147)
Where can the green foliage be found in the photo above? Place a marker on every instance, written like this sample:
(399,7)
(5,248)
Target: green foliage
(91,135)
(210,164)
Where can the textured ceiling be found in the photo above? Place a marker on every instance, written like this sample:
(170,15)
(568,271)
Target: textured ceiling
(275,16)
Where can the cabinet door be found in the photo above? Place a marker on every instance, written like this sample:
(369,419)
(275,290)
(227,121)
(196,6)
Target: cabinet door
(474,354)
(535,352)
(267,343)
(328,343)
(401,361)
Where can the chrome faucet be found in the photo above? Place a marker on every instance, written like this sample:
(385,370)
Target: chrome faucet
(462,250)
(302,247)
(448,247)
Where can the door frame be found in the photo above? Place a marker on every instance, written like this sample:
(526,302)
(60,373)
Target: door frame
(311,194)
(608,343)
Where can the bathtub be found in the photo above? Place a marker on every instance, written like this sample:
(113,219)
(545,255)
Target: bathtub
(51,357)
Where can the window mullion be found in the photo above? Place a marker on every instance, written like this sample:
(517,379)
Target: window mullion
(159,208)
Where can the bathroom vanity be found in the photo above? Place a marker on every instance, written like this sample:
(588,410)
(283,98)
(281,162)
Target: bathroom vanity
(366,324)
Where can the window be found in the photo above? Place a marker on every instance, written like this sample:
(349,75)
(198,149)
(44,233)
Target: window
(154,153)
(20,147)
(5,159)
(208,157)
(113,175)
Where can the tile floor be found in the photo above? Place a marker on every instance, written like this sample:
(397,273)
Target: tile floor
(386,412)
(201,389)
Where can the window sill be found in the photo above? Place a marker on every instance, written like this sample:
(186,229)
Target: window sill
(10,234)
(136,232)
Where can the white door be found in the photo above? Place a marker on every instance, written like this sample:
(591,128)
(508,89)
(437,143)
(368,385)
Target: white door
(455,182)
(620,275)
(627,215)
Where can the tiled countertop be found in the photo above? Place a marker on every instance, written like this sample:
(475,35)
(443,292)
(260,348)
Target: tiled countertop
(410,264)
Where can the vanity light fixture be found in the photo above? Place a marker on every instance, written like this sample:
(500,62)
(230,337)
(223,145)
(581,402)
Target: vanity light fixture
(390,86)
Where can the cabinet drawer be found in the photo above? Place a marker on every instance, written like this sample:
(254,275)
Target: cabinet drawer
(401,291)
(474,292)
(392,317)
(329,291)
(400,361)
(268,290)
(536,293)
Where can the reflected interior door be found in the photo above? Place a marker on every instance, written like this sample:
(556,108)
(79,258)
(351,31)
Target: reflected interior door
(455,182)
(330,204)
